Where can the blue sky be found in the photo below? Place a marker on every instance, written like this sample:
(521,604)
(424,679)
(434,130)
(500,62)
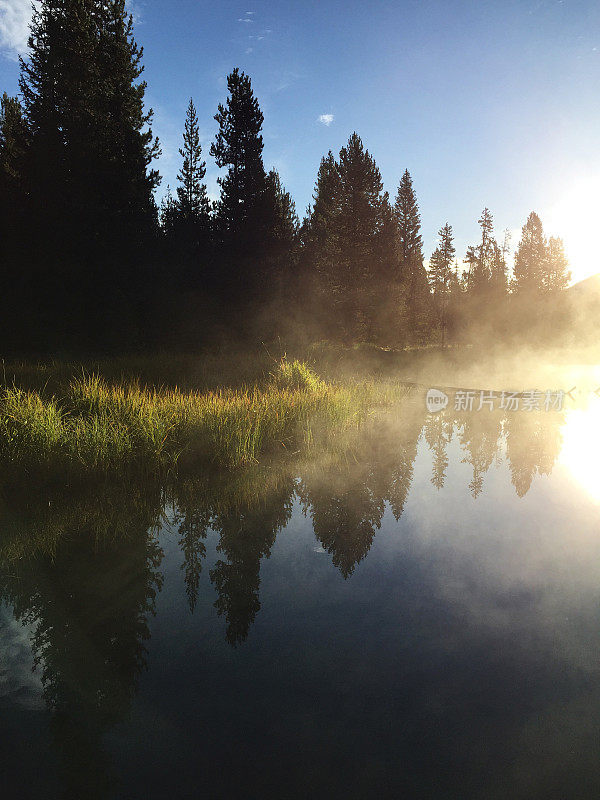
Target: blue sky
(486,103)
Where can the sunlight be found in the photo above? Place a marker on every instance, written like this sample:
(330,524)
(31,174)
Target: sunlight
(574,218)
(581,449)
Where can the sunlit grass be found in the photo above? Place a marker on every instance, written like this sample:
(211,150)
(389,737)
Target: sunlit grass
(99,426)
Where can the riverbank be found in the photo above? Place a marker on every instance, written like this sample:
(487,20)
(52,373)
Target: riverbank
(94,425)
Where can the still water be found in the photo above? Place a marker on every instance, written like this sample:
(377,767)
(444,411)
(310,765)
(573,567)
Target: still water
(416,616)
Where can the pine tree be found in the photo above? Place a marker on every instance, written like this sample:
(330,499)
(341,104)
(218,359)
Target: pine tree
(84,106)
(441,262)
(530,257)
(284,223)
(498,270)
(14,141)
(193,202)
(360,222)
(386,248)
(128,145)
(500,282)
(388,315)
(409,224)
(240,214)
(470,260)
(482,255)
(89,163)
(318,241)
(319,233)
(441,274)
(189,245)
(238,146)
(168,214)
(556,275)
(349,245)
(13,218)
(281,222)
(13,144)
(55,82)
(410,251)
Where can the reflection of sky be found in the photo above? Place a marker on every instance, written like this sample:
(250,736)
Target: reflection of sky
(18,683)
(465,641)
(581,449)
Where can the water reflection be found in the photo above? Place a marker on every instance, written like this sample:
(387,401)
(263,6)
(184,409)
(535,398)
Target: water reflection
(346,498)
(82,568)
(247,533)
(344,495)
(86,592)
(580,453)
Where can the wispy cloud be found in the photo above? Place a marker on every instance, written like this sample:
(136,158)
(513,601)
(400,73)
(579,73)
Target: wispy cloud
(326,119)
(285,79)
(15,16)
(258,35)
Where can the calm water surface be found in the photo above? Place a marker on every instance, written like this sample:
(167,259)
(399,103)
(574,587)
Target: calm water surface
(416,617)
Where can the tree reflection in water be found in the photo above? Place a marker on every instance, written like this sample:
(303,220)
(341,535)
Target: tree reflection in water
(82,567)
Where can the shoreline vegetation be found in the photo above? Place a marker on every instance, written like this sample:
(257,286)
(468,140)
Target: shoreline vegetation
(102,454)
(228,410)
(97,426)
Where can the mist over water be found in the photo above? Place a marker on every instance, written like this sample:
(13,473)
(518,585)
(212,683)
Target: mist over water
(415,612)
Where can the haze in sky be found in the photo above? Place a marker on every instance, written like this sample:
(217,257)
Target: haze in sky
(487,104)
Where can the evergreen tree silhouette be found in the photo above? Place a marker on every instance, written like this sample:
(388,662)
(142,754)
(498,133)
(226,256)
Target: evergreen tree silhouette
(14,219)
(240,217)
(359,225)
(556,275)
(530,257)
(410,247)
(277,272)
(441,275)
(89,166)
(192,199)
(482,273)
(187,223)
(319,253)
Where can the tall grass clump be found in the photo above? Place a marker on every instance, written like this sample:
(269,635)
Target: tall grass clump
(97,426)
(31,429)
(296,375)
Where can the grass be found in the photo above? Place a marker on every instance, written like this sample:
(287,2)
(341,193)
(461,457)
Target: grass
(98,426)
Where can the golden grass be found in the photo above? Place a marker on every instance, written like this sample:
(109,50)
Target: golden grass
(98,426)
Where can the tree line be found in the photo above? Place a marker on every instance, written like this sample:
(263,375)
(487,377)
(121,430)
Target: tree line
(90,263)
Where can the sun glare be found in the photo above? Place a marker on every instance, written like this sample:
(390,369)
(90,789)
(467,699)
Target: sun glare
(575,219)
(581,448)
